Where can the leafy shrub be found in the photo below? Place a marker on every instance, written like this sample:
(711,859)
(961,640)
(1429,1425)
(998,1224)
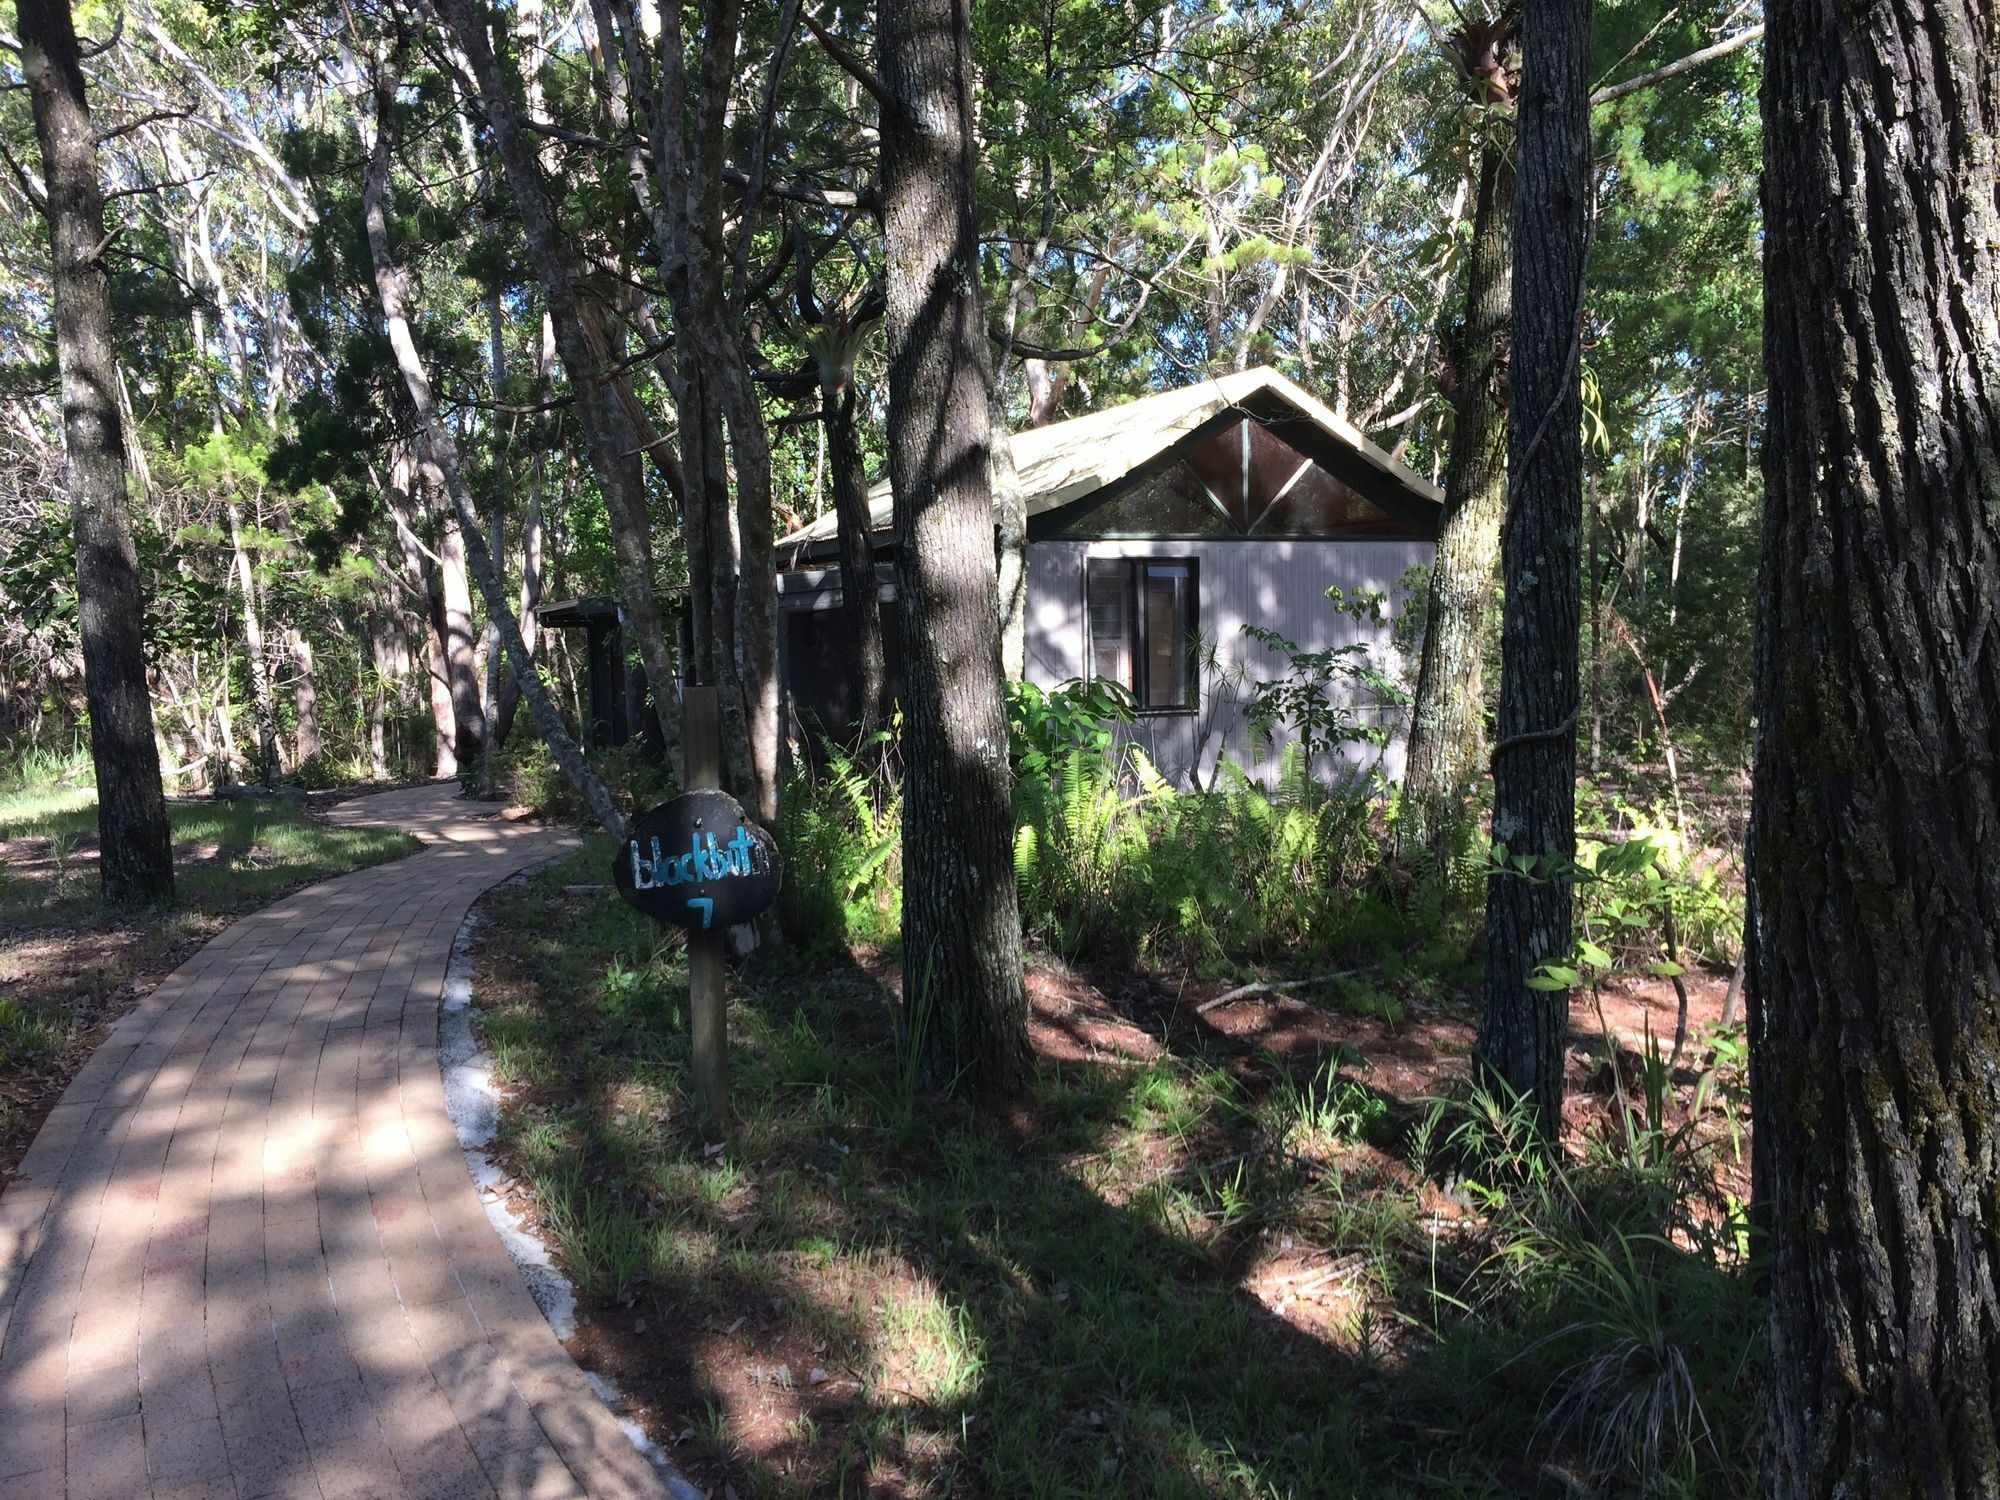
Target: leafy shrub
(1044,729)
(523,772)
(839,830)
(1328,699)
(1328,1109)
(1133,869)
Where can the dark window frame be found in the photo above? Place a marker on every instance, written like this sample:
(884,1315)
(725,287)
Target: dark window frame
(1138,644)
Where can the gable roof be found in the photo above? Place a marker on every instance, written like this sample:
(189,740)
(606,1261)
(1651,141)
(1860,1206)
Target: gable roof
(1066,461)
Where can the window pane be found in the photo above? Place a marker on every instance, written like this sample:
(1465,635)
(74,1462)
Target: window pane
(1174,503)
(1169,606)
(1111,620)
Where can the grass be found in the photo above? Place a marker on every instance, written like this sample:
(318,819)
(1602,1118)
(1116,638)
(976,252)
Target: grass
(228,854)
(1204,1273)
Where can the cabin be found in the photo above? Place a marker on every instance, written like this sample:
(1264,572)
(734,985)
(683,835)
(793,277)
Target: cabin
(1157,529)
(614,696)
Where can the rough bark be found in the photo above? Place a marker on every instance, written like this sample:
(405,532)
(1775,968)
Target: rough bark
(757,596)
(965,1008)
(390,291)
(1523,1031)
(1447,725)
(135,858)
(1875,897)
(306,740)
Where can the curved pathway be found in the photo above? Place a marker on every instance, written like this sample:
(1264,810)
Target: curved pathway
(244,1257)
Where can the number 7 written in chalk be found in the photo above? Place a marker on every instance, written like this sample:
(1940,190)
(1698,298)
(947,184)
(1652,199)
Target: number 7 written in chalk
(707,906)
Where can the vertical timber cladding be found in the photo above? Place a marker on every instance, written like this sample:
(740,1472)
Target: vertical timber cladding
(699,863)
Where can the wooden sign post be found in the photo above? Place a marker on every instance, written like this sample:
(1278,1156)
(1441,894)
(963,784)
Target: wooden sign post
(701,864)
(701,726)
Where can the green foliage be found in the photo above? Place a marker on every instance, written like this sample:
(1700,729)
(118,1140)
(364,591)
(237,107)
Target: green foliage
(1044,728)
(1233,875)
(1647,901)
(1327,1110)
(232,854)
(1118,1245)
(1327,699)
(840,832)
(524,773)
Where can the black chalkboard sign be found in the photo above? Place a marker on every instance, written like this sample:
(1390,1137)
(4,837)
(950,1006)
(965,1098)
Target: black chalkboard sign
(699,863)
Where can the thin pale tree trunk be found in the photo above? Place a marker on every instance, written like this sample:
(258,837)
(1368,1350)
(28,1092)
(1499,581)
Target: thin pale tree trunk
(262,709)
(307,741)
(1010,541)
(378,699)
(468,718)
(1448,721)
(608,435)
(868,679)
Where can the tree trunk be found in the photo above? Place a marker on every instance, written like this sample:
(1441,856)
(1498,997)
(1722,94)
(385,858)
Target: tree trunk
(305,699)
(964,1004)
(1010,540)
(1596,634)
(757,597)
(868,666)
(262,709)
(1523,1031)
(531,598)
(444,720)
(1875,897)
(135,849)
(389,290)
(468,718)
(1447,725)
(378,700)
(400,496)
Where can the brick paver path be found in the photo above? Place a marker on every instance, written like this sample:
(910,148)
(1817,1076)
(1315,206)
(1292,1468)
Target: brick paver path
(244,1256)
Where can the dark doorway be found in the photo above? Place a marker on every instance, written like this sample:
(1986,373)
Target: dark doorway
(610,720)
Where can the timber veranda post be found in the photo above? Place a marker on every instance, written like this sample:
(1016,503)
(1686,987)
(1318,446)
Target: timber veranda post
(707,979)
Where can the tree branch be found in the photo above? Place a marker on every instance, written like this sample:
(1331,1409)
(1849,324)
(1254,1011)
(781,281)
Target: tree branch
(1674,69)
(796,191)
(851,65)
(151,117)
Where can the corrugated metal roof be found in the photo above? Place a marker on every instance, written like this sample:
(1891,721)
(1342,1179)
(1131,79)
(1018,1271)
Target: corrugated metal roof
(1066,461)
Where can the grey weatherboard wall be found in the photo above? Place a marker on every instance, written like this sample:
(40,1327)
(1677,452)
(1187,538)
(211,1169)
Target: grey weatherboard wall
(1279,584)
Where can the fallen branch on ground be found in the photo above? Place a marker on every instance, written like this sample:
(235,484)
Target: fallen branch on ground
(1267,986)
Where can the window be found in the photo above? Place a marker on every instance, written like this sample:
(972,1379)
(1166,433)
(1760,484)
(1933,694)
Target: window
(1142,624)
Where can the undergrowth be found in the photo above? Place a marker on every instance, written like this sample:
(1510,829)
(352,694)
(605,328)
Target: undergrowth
(1087,1294)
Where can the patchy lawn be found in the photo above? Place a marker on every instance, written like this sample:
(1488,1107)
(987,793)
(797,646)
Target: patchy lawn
(1238,1249)
(69,965)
